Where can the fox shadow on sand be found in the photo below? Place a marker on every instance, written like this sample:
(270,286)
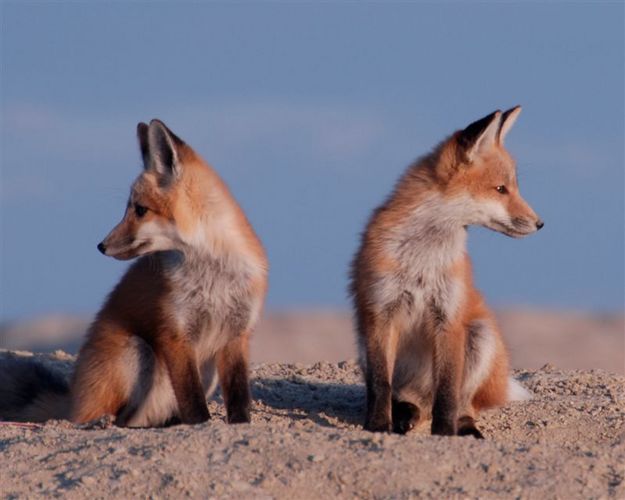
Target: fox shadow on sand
(312,400)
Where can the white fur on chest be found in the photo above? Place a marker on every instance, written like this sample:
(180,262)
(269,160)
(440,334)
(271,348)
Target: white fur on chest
(210,298)
(426,246)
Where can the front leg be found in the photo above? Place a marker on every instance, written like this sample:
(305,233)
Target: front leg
(232,365)
(179,358)
(448,366)
(380,345)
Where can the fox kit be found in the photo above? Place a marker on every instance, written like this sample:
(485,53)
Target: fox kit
(429,346)
(181,315)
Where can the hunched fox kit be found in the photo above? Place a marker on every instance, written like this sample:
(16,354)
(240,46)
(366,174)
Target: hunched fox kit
(428,344)
(183,312)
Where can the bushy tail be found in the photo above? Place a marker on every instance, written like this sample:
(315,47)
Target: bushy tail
(32,392)
(516,391)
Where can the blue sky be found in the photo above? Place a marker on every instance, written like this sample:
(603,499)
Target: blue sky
(310,111)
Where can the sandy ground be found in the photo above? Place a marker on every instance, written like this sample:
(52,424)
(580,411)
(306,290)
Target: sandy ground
(305,441)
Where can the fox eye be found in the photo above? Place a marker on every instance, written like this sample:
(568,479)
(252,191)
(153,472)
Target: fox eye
(140,210)
(502,189)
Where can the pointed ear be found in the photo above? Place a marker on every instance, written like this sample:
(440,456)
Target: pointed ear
(162,151)
(142,135)
(507,120)
(480,136)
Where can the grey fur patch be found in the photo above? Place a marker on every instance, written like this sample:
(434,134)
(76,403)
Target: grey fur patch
(473,340)
(211,295)
(439,318)
(404,301)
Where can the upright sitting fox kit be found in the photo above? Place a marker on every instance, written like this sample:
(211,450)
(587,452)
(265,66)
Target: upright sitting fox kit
(429,345)
(183,312)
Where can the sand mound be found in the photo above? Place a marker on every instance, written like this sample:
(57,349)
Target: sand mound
(306,442)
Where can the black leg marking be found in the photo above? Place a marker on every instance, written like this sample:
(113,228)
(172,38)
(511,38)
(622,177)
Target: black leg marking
(445,409)
(189,392)
(378,417)
(405,416)
(237,395)
(466,427)
(232,367)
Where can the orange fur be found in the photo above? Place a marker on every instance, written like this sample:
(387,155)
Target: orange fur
(427,338)
(184,308)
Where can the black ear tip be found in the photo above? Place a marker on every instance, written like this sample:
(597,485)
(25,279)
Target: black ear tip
(477,127)
(141,128)
(155,122)
(159,125)
(492,116)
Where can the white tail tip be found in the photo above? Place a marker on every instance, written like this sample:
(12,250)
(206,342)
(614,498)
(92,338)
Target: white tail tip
(516,392)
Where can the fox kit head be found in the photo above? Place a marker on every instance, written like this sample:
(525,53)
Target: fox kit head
(477,170)
(159,213)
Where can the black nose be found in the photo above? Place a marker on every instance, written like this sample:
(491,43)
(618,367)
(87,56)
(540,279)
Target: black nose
(102,248)
(539,224)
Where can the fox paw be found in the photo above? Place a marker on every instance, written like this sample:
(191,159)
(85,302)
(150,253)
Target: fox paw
(378,425)
(405,416)
(466,427)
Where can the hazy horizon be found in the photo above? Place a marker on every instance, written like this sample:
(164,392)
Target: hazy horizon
(310,112)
